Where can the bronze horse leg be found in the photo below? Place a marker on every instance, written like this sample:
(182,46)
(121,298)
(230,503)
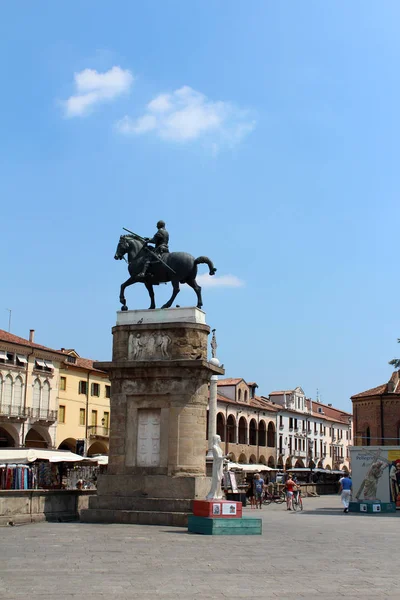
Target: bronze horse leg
(175,292)
(150,289)
(195,286)
(126,283)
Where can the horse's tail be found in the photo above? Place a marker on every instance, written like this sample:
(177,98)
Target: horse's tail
(204,260)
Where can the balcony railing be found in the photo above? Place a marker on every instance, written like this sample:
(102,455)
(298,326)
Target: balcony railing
(99,431)
(300,453)
(8,410)
(43,414)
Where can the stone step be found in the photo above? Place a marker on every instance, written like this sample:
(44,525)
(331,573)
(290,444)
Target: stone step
(134,517)
(142,503)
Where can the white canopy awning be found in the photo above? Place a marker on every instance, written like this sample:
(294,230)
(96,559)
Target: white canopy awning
(49,364)
(22,358)
(251,468)
(3,355)
(40,362)
(28,455)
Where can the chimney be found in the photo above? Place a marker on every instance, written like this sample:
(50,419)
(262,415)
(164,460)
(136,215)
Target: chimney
(31,335)
(329,404)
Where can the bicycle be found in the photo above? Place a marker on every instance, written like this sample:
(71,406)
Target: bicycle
(297,502)
(278,497)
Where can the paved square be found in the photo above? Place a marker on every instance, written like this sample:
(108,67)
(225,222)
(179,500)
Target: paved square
(320,553)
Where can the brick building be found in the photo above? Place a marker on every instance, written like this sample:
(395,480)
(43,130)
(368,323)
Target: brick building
(377,414)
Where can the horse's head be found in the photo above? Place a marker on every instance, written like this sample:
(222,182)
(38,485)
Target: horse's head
(122,248)
(127,243)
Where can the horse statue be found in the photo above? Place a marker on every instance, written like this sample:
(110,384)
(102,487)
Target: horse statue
(176,267)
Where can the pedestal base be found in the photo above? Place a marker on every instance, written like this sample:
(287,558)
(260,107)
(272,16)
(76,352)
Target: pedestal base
(145,499)
(215,526)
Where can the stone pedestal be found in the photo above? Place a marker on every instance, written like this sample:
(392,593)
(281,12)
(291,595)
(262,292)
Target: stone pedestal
(159,391)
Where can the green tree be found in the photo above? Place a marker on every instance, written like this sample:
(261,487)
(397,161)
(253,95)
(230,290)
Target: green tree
(396,361)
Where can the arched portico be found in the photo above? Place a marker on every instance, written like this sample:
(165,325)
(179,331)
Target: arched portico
(97,448)
(37,437)
(68,444)
(8,436)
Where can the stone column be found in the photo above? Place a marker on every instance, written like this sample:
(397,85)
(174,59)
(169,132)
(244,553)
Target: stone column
(212,414)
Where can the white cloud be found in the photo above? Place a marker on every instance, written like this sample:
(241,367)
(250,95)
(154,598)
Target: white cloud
(186,115)
(229,281)
(93,87)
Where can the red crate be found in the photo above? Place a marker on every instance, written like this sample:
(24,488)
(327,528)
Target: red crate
(217,508)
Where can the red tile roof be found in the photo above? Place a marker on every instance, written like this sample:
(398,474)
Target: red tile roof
(256,402)
(330,412)
(230,381)
(82,363)
(5,336)
(382,389)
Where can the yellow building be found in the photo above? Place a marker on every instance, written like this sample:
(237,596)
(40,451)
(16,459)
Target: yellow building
(84,406)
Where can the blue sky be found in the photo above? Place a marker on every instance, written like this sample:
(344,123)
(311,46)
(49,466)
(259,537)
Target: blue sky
(265,134)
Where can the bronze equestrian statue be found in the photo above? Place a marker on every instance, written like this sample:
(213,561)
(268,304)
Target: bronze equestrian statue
(154,265)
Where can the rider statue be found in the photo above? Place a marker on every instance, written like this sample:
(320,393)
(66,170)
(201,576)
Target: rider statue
(160,240)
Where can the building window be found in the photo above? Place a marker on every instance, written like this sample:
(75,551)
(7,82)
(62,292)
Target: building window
(295,424)
(281,421)
(240,395)
(368,437)
(44,365)
(290,422)
(95,389)
(61,414)
(71,359)
(63,384)
(94,418)
(21,360)
(330,451)
(280,444)
(106,420)
(83,387)
(82,416)
(324,430)
(245,396)
(108,391)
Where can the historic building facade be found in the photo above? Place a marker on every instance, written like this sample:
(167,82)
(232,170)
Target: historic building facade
(310,434)
(377,414)
(84,406)
(29,377)
(246,423)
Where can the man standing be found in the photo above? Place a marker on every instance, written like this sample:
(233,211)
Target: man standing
(289,487)
(345,490)
(160,240)
(258,489)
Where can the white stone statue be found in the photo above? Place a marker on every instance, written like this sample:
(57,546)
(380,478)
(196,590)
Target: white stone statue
(215,492)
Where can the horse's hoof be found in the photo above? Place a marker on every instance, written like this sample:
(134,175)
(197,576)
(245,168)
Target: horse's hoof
(165,306)
(124,308)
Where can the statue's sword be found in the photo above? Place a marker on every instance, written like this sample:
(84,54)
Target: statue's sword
(148,249)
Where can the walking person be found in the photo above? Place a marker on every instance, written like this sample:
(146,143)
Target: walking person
(345,491)
(250,495)
(258,483)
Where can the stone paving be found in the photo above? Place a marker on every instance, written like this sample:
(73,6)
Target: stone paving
(319,553)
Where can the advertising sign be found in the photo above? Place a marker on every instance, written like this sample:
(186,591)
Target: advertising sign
(376,474)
